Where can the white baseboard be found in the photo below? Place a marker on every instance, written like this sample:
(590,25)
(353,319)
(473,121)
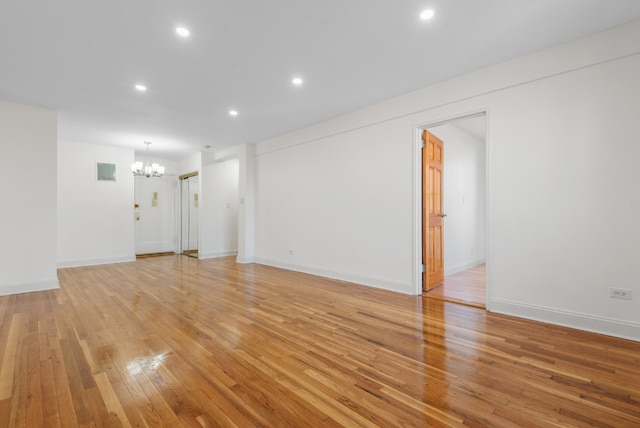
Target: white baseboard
(594,324)
(29,287)
(377,282)
(462,267)
(94,262)
(218,254)
(244,260)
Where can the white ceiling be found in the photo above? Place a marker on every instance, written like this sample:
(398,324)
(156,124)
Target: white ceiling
(83,57)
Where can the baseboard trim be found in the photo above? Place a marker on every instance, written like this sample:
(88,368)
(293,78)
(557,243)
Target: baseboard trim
(94,262)
(218,254)
(577,320)
(244,259)
(29,287)
(371,281)
(463,267)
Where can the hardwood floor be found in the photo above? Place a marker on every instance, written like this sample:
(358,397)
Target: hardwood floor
(174,341)
(467,288)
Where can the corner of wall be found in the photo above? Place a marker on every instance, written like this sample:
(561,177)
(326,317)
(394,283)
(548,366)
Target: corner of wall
(95,261)
(29,287)
(376,282)
(217,254)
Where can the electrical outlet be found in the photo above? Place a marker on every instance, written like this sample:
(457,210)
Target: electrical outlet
(620,293)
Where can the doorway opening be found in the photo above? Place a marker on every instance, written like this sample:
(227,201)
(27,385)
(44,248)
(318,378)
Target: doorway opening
(454,210)
(189,214)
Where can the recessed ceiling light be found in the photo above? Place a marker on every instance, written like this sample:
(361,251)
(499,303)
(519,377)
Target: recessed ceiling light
(233,112)
(181,31)
(141,88)
(296,81)
(427,14)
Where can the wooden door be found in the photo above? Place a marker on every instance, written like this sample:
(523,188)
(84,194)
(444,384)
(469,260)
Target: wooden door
(432,225)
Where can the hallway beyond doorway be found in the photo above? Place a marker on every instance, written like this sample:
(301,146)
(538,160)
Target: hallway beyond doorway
(467,288)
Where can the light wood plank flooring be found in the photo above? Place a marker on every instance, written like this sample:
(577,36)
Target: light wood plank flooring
(175,341)
(467,287)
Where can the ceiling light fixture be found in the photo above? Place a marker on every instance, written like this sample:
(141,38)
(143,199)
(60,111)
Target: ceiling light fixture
(427,14)
(182,32)
(141,88)
(148,170)
(296,81)
(233,112)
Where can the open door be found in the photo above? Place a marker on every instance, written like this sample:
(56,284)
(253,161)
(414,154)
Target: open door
(432,224)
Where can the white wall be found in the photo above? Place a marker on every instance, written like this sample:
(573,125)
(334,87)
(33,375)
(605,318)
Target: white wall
(245,156)
(247,203)
(563,210)
(564,203)
(95,218)
(28,213)
(189,164)
(463,198)
(219,209)
(340,207)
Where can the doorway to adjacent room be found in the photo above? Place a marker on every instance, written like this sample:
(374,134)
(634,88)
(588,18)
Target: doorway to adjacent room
(454,210)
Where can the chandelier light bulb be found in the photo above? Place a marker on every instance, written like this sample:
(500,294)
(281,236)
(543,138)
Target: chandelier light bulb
(149,169)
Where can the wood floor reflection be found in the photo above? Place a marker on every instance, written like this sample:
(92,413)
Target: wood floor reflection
(467,288)
(175,341)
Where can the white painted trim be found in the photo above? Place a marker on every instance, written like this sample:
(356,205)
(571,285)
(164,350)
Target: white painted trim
(417,210)
(218,254)
(244,260)
(487,204)
(463,267)
(577,320)
(377,282)
(93,262)
(29,287)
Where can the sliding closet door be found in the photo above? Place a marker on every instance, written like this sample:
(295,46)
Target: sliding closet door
(189,214)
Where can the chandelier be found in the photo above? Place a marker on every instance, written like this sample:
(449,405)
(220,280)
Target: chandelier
(147,170)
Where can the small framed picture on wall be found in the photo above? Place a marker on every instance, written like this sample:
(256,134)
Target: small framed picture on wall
(106,171)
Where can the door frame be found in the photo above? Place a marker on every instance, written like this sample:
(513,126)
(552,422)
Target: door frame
(417,195)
